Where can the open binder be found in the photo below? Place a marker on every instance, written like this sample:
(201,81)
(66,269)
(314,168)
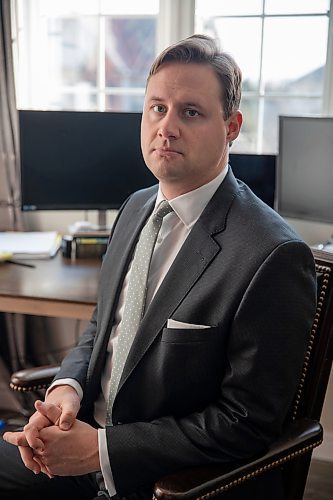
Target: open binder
(30,245)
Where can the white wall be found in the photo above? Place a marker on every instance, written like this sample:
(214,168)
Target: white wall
(312,232)
(53,220)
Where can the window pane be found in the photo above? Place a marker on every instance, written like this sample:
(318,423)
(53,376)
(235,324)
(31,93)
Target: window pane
(130,50)
(130,7)
(205,8)
(246,142)
(125,102)
(294,62)
(67,7)
(72,51)
(74,100)
(296,6)
(70,7)
(291,106)
(247,55)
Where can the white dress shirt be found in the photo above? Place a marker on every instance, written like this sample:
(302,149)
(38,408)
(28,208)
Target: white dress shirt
(176,226)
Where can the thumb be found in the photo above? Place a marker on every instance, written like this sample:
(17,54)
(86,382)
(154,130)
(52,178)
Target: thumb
(49,410)
(68,416)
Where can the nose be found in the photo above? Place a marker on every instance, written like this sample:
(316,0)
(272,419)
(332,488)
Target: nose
(169,127)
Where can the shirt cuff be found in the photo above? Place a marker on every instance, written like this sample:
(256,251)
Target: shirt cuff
(105,462)
(67,381)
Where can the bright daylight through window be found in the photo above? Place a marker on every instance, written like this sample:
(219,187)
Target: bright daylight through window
(84,55)
(95,54)
(281,47)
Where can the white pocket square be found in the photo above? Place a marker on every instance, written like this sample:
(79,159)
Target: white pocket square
(172,323)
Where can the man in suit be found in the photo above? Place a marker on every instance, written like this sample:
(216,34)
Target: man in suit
(215,361)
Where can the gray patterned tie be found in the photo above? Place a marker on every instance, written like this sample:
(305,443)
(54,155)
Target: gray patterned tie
(135,298)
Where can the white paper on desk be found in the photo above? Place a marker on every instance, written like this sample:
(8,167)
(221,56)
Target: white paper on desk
(36,244)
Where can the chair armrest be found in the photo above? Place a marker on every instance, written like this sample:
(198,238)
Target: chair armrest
(202,482)
(33,379)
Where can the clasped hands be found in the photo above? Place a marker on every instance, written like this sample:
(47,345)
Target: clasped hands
(54,441)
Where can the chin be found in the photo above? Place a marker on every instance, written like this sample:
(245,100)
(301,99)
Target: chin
(168,177)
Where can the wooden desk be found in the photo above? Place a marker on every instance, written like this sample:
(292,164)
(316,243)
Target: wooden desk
(57,287)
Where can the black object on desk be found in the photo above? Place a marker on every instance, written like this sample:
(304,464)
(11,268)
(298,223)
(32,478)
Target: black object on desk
(24,264)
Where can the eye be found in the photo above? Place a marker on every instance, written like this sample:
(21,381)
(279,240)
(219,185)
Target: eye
(190,113)
(159,108)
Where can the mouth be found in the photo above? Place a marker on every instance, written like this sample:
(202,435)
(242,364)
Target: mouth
(166,152)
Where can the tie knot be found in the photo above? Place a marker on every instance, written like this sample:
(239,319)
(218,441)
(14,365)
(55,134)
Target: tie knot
(163,209)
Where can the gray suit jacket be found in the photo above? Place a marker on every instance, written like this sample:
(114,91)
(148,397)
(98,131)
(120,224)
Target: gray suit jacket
(188,397)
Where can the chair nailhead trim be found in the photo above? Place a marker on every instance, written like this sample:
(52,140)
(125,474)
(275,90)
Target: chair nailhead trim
(326,276)
(256,472)
(259,471)
(29,388)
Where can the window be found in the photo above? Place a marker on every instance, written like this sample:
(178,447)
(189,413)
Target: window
(84,54)
(281,47)
(95,54)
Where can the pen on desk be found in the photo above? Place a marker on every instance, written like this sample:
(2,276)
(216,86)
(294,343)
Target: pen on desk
(24,264)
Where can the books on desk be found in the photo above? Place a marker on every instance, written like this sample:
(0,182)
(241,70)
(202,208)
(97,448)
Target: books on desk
(86,244)
(30,245)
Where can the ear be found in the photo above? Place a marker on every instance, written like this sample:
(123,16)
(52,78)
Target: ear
(234,125)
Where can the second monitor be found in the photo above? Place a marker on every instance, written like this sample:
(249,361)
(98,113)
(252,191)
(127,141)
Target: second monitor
(258,172)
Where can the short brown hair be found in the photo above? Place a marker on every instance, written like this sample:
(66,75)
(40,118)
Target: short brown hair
(203,49)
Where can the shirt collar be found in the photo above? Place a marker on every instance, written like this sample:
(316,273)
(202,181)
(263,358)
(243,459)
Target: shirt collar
(189,206)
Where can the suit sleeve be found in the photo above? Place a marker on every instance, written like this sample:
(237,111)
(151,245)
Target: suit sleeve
(265,354)
(75,364)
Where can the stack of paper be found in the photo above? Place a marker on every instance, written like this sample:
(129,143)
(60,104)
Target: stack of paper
(30,245)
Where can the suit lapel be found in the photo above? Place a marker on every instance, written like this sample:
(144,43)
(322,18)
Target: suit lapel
(198,251)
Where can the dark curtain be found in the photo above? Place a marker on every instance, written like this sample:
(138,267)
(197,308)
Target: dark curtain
(10,216)
(12,329)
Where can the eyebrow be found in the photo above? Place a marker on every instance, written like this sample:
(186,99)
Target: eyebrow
(155,98)
(189,104)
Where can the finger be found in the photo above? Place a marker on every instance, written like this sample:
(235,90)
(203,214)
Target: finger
(16,438)
(67,418)
(38,420)
(42,461)
(28,459)
(43,467)
(32,428)
(31,432)
(33,439)
(44,417)
(49,410)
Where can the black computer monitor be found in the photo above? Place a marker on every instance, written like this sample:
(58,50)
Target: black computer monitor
(305,168)
(258,172)
(72,160)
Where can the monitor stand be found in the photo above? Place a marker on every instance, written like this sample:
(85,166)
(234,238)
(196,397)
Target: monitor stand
(101,220)
(85,226)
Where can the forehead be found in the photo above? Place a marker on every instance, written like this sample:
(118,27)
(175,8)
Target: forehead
(184,80)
